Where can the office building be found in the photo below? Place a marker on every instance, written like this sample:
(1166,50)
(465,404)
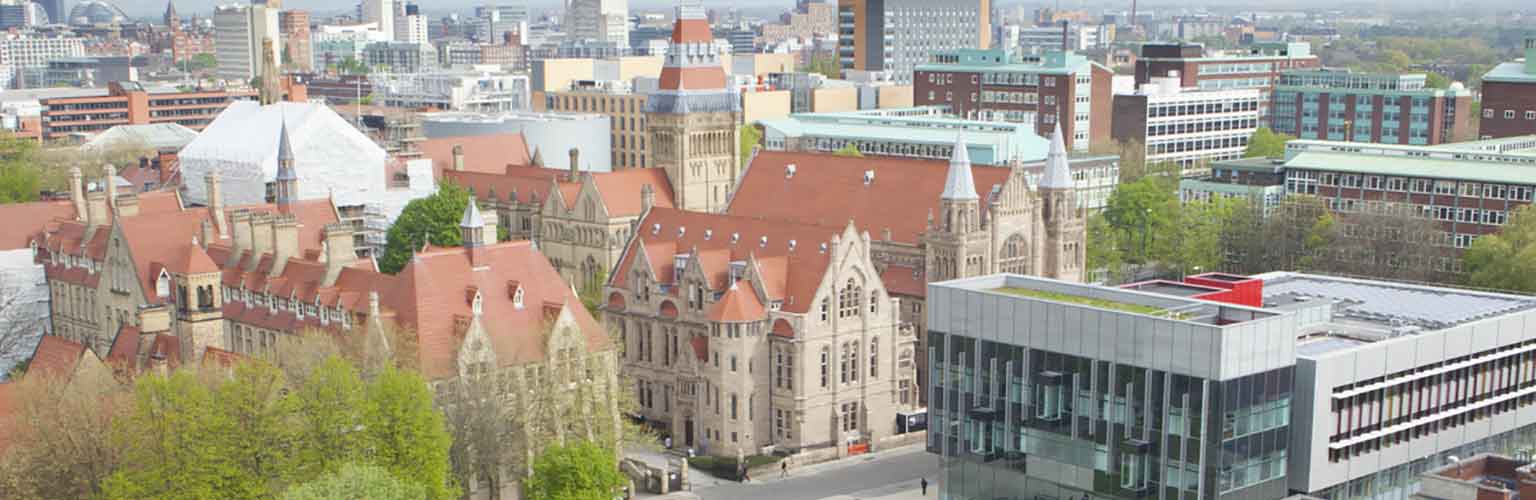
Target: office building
(55,10)
(899,35)
(493,22)
(693,115)
(294,26)
(1340,105)
(36,51)
(471,91)
(625,109)
(1043,90)
(411,25)
(1258,181)
(1265,385)
(1074,37)
(334,44)
(241,35)
(379,12)
(603,21)
(1186,127)
(1509,97)
(129,103)
(400,57)
(1258,66)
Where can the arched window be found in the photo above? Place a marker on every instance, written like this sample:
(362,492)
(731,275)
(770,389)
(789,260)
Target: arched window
(874,301)
(874,357)
(1014,257)
(848,299)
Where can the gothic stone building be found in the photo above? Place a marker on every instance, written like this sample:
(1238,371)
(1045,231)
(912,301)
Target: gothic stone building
(692,117)
(931,221)
(743,333)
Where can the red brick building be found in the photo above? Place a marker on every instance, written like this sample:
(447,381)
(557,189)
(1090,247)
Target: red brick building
(128,103)
(1509,97)
(1259,67)
(1044,90)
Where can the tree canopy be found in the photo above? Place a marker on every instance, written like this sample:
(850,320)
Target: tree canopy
(20,177)
(432,219)
(579,470)
(354,481)
(850,150)
(1265,143)
(1505,260)
(749,137)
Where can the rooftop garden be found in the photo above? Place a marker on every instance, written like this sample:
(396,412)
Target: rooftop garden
(1091,302)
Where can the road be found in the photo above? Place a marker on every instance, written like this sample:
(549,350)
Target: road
(867,477)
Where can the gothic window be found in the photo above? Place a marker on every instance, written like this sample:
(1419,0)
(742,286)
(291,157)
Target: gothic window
(784,368)
(848,300)
(826,359)
(874,357)
(874,301)
(824,309)
(848,366)
(1015,255)
(850,416)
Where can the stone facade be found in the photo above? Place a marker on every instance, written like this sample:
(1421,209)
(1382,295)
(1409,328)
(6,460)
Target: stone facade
(743,334)
(692,117)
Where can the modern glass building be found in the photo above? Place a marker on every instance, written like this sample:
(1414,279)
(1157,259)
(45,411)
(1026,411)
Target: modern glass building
(1046,389)
(1332,387)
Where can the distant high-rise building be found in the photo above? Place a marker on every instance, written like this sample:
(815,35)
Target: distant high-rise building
(410,25)
(294,26)
(55,10)
(494,21)
(898,35)
(1340,105)
(598,20)
(239,33)
(381,12)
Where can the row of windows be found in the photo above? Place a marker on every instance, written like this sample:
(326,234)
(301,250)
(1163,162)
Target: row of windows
(1509,114)
(1489,191)
(1185,109)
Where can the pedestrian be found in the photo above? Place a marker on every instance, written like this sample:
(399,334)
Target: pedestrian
(784,468)
(925,486)
(746,475)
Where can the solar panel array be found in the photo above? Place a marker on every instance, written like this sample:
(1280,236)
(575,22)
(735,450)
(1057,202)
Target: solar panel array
(1394,304)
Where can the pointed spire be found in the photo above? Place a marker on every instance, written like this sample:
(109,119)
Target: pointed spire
(284,146)
(287,180)
(959,185)
(1058,174)
(472,218)
(472,227)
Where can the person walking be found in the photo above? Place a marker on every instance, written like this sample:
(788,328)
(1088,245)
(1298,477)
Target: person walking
(784,468)
(925,486)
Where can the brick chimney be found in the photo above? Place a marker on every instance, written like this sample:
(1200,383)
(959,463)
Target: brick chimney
(241,232)
(575,165)
(261,239)
(458,158)
(215,193)
(77,192)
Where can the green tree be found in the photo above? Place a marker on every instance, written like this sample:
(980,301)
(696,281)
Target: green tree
(1103,249)
(749,137)
(406,433)
(20,176)
(591,292)
(252,402)
(1265,143)
(203,61)
(578,470)
(1505,260)
(825,65)
(353,481)
(1436,81)
(171,445)
(1139,213)
(357,482)
(432,219)
(330,428)
(850,150)
(1195,244)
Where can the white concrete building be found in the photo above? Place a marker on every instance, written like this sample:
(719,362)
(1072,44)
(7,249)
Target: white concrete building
(17,51)
(1187,127)
(240,33)
(480,89)
(331,158)
(411,28)
(598,20)
(379,12)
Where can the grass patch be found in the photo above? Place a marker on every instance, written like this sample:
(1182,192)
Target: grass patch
(1088,301)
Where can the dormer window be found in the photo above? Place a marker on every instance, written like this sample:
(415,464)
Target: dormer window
(163,285)
(517,297)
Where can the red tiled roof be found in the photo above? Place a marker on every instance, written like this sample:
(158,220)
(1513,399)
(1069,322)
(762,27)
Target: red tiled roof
(739,303)
(830,189)
(782,328)
(691,31)
(488,154)
(621,190)
(526,183)
(19,222)
(125,349)
(192,259)
(429,296)
(168,348)
(223,358)
(903,280)
(790,275)
(56,357)
(702,77)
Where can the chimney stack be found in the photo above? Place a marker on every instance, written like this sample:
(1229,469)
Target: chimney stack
(241,220)
(458,158)
(215,193)
(96,209)
(109,177)
(647,198)
(339,252)
(77,192)
(575,165)
(492,222)
(128,204)
(261,239)
(285,241)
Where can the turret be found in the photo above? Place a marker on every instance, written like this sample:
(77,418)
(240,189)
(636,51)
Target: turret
(472,232)
(287,185)
(1065,247)
(959,205)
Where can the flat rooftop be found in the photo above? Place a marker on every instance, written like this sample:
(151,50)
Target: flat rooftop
(1146,303)
(1366,311)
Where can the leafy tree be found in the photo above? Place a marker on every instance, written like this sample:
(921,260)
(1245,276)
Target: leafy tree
(1265,143)
(1436,81)
(406,433)
(580,470)
(353,481)
(203,61)
(166,442)
(591,293)
(60,435)
(20,177)
(1195,243)
(825,65)
(252,403)
(330,428)
(432,219)
(1103,248)
(1139,213)
(850,150)
(749,137)
(1506,260)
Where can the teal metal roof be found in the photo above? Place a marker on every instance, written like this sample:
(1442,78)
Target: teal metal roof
(1510,72)
(988,143)
(1052,63)
(1407,166)
(1250,164)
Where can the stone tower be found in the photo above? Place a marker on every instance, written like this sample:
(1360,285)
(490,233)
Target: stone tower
(692,116)
(956,242)
(1065,228)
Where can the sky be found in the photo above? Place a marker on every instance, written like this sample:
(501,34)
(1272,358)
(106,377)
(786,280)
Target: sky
(187,7)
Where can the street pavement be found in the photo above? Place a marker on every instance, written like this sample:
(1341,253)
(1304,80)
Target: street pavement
(888,475)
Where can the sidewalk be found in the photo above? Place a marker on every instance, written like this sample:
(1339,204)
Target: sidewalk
(906,490)
(833,465)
